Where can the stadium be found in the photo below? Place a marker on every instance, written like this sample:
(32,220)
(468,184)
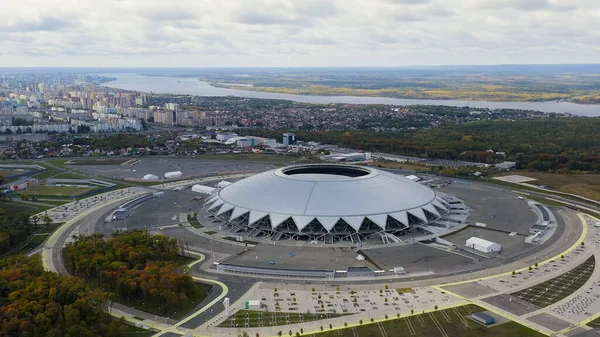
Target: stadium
(331,203)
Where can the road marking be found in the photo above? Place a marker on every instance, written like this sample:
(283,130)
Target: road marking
(446,316)
(382,330)
(438,325)
(461,317)
(410,326)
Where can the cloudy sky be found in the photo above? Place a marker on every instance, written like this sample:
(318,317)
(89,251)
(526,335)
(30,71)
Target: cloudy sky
(204,33)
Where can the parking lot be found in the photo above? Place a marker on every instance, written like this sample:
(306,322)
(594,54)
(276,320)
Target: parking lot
(511,244)
(344,301)
(293,257)
(159,166)
(417,258)
(497,209)
(161,211)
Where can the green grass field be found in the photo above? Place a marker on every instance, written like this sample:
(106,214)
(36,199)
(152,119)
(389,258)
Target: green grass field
(194,221)
(586,185)
(255,319)
(59,191)
(57,174)
(554,290)
(50,228)
(546,201)
(17,207)
(595,323)
(55,202)
(100,161)
(130,330)
(443,323)
(34,243)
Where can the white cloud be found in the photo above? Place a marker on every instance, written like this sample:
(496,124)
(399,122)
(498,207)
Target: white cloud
(298,32)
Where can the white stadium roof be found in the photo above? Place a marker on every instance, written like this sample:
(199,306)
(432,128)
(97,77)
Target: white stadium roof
(327,193)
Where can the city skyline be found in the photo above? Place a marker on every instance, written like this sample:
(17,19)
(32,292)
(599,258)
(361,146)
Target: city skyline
(307,33)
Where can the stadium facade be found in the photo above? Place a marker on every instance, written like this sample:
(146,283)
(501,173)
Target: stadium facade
(329,203)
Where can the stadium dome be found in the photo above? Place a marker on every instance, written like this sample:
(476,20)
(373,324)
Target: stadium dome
(327,202)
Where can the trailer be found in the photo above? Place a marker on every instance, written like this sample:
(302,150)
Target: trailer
(173,175)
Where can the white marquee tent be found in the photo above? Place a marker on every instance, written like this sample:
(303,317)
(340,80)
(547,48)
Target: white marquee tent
(483,245)
(174,174)
(202,189)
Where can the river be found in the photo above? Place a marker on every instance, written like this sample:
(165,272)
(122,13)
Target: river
(192,86)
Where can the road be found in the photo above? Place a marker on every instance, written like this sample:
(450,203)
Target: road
(234,287)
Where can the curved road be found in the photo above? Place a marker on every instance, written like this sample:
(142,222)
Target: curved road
(87,222)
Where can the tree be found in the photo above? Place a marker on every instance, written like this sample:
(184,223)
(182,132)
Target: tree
(513,272)
(63,306)
(279,333)
(35,220)
(243,334)
(345,324)
(436,307)
(321,328)
(582,243)
(412,312)
(360,322)
(46,219)
(386,316)
(530,268)
(330,326)
(134,264)
(372,320)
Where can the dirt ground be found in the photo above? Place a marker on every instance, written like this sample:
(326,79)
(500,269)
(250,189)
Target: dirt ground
(587,185)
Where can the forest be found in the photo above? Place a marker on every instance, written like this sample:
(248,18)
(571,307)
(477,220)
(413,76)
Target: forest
(544,144)
(135,265)
(15,228)
(36,303)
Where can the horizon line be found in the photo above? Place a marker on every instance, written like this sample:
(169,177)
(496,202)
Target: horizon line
(304,67)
